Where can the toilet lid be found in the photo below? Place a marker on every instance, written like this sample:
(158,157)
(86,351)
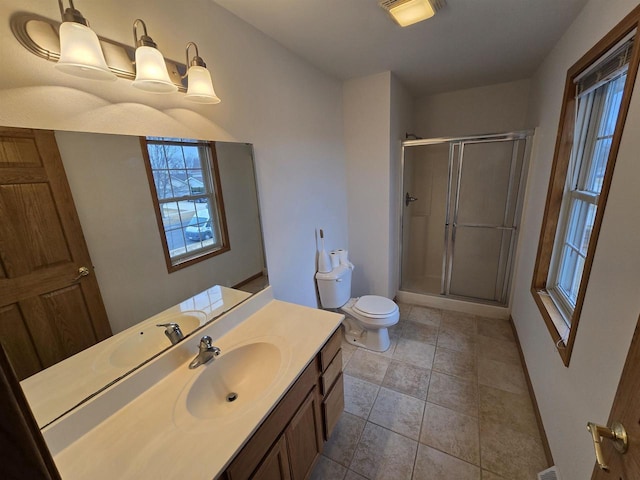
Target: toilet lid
(375,306)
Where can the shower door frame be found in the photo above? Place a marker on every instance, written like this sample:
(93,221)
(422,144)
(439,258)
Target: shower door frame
(447,254)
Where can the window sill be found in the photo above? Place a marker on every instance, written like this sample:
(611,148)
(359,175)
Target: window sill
(555,324)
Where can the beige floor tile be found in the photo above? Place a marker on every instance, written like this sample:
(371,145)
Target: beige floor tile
(431,464)
(383,454)
(414,352)
(451,432)
(398,412)
(487,475)
(499,350)
(326,469)
(345,437)
(501,375)
(405,310)
(495,328)
(367,366)
(513,455)
(512,409)
(420,332)
(347,351)
(465,323)
(351,475)
(455,340)
(406,378)
(426,315)
(454,393)
(395,330)
(359,396)
(460,364)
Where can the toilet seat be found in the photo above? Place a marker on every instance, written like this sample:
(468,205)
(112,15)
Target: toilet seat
(375,306)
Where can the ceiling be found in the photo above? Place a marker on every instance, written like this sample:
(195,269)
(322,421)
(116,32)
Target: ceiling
(468,43)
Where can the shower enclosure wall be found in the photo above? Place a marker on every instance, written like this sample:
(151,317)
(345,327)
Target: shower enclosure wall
(461,208)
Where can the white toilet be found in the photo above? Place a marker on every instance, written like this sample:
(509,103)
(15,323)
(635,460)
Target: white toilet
(366,318)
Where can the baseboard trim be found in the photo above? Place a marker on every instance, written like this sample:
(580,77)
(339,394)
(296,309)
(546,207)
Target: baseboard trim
(532,394)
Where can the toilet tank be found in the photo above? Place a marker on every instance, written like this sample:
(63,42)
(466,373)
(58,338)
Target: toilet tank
(334,287)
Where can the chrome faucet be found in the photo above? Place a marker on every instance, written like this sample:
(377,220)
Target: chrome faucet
(172,331)
(206,353)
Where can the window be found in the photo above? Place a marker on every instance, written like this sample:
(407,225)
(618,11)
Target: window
(596,100)
(184,180)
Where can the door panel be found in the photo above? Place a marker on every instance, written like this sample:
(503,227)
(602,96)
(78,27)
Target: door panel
(484,193)
(626,410)
(47,314)
(476,269)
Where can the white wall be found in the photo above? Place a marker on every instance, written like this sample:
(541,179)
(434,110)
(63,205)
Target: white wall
(570,397)
(489,109)
(366,137)
(290,111)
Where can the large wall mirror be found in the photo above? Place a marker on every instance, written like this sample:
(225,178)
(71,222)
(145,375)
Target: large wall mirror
(109,188)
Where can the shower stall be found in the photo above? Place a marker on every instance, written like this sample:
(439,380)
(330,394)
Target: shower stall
(462,200)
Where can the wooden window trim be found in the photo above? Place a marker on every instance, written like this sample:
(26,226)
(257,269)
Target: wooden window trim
(224,232)
(564,143)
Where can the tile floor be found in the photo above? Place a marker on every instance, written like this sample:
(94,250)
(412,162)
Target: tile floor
(448,400)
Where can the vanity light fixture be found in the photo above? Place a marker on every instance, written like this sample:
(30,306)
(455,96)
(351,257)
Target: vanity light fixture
(151,69)
(80,51)
(200,89)
(408,12)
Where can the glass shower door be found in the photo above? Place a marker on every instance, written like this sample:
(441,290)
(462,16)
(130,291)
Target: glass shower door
(484,182)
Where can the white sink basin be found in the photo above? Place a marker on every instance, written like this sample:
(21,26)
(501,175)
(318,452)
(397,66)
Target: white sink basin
(231,383)
(138,345)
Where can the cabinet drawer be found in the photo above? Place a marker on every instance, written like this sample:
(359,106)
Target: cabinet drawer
(333,406)
(331,373)
(330,349)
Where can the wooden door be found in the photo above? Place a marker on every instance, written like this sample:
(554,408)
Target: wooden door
(626,410)
(304,436)
(275,465)
(46,314)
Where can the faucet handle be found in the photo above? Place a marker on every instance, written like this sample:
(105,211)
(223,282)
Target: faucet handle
(206,342)
(172,331)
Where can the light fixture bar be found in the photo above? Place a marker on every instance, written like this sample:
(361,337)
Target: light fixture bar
(39,35)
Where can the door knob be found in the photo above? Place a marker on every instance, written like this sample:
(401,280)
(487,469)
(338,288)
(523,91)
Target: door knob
(617,433)
(82,272)
(408,199)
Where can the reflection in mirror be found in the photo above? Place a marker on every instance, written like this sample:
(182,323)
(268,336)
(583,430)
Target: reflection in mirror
(48,310)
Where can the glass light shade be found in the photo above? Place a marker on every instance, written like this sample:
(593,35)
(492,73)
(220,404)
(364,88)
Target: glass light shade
(200,86)
(151,71)
(411,12)
(81,54)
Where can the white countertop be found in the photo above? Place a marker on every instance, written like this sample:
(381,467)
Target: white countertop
(151,438)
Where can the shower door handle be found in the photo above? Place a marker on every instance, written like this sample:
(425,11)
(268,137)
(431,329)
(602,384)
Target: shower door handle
(408,199)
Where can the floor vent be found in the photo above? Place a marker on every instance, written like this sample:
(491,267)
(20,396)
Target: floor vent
(549,474)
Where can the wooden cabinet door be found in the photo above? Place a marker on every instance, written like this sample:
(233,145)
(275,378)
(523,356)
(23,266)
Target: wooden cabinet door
(275,465)
(46,314)
(304,436)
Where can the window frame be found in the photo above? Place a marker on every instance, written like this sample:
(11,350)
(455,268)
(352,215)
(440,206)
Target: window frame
(550,312)
(211,173)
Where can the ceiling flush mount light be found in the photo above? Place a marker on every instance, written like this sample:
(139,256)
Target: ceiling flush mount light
(408,12)
(200,86)
(80,51)
(151,69)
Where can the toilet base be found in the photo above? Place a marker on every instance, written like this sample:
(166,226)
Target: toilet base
(377,340)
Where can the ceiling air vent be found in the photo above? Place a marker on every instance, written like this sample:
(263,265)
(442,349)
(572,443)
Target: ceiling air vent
(408,12)
(549,474)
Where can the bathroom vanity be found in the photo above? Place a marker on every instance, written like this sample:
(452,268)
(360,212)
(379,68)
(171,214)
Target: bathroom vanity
(262,409)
